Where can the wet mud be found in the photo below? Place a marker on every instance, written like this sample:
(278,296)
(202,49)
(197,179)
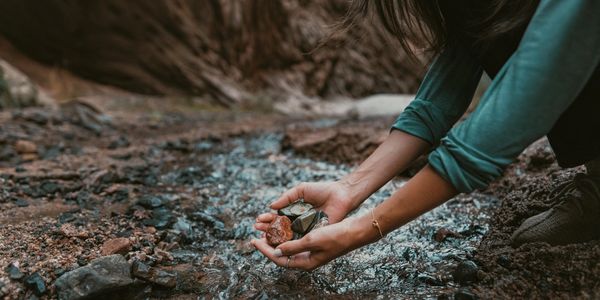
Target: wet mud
(177,195)
(535,270)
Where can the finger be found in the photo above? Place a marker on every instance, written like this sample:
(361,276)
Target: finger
(296,246)
(266,217)
(289,197)
(261,226)
(268,251)
(301,261)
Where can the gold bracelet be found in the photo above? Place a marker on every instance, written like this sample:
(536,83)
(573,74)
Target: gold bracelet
(375,223)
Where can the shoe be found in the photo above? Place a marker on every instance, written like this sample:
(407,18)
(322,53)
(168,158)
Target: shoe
(575,217)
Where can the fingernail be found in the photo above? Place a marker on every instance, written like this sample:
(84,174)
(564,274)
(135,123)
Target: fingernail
(278,253)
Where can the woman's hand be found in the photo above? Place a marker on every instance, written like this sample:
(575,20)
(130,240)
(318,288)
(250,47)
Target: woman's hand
(334,198)
(319,246)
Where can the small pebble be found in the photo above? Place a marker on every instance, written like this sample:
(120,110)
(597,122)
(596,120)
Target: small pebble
(36,283)
(13,272)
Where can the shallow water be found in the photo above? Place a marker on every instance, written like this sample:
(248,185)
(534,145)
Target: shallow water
(247,173)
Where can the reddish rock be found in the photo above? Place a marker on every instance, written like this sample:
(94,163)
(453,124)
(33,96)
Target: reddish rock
(23,146)
(115,246)
(279,231)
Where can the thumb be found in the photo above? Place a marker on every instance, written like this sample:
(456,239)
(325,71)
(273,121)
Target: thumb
(294,247)
(289,196)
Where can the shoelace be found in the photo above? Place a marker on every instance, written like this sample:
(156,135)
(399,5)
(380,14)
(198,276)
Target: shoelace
(585,184)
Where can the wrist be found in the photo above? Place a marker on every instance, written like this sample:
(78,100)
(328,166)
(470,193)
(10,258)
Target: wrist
(355,190)
(362,231)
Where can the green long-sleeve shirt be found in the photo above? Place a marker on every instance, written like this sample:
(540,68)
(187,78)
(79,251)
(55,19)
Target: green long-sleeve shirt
(553,62)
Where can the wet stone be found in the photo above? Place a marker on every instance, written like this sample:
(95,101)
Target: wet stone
(102,276)
(322,220)
(13,272)
(36,283)
(295,209)
(466,272)
(279,231)
(305,222)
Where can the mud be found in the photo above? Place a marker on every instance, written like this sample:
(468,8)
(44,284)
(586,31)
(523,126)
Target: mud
(185,188)
(535,270)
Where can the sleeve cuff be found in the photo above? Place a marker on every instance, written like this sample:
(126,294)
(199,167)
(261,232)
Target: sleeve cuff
(463,166)
(424,120)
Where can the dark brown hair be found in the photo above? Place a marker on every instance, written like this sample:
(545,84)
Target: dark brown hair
(430,25)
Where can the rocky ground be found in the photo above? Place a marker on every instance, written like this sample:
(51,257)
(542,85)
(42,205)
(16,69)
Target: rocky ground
(161,205)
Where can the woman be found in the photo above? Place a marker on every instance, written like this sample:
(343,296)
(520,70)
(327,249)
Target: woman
(543,58)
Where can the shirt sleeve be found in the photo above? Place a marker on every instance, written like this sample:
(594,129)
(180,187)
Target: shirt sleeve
(443,97)
(556,57)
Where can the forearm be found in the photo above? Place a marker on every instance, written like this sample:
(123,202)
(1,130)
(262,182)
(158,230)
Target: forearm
(390,158)
(423,192)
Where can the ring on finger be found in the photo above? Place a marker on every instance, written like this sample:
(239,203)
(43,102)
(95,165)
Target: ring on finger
(287,264)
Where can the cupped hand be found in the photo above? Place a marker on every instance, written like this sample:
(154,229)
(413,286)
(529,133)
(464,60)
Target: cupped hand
(315,249)
(334,198)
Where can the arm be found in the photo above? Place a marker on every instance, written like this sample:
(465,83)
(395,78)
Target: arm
(388,160)
(556,57)
(442,99)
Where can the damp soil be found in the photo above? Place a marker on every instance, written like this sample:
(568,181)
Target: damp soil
(184,190)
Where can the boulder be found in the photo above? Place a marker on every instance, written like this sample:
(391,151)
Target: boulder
(103,276)
(16,90)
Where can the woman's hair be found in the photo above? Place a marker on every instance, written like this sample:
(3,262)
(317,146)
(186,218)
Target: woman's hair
(431,25)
